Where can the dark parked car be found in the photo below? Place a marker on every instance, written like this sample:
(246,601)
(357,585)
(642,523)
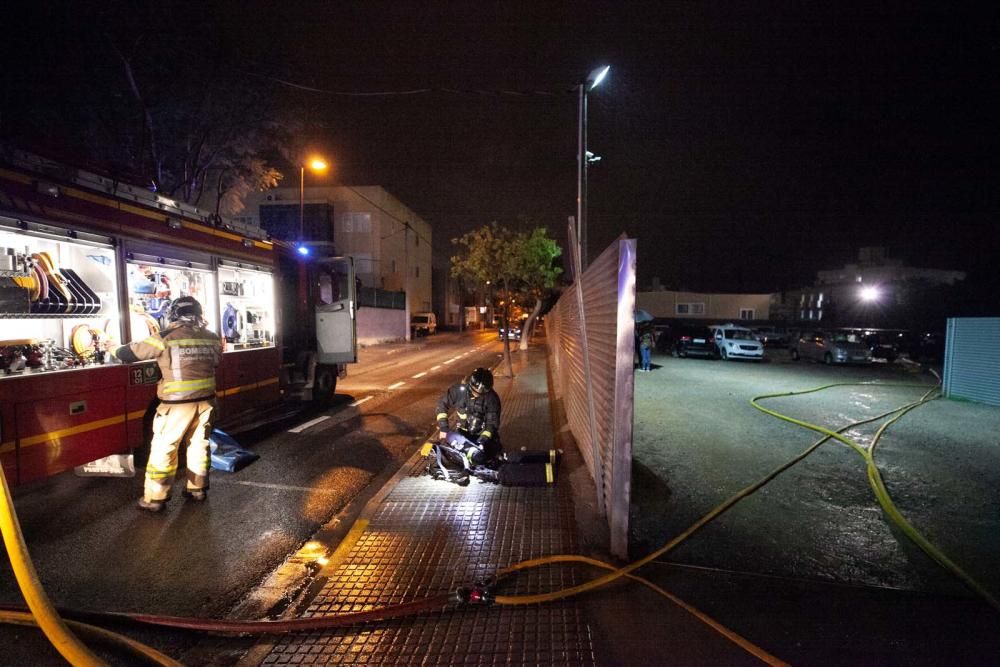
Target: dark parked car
(695,341)
(772,336)
(883,343)
(926,347)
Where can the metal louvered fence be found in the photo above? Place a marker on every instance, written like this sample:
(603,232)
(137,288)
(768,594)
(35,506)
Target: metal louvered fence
(591,338)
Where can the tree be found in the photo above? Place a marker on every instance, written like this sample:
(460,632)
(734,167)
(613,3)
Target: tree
(145,94)
(518,263)
(538,274)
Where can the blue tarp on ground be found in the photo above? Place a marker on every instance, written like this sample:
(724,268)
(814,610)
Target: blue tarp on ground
(227,455)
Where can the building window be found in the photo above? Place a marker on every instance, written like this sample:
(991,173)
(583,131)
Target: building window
(819,301)
(416,272)
(393,266)
(690,308)
(746,313)
(356,221)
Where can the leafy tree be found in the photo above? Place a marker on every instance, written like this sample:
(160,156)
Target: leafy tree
(518,263)
(538,275)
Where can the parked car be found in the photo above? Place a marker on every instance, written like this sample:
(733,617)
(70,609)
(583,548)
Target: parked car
(831,347)
(698,341)
(514,334)
(736,342)
(772,336)
(925,347)
(423,324)
(884,343)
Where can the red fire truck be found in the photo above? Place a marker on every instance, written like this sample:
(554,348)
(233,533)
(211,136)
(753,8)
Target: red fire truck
(85,259)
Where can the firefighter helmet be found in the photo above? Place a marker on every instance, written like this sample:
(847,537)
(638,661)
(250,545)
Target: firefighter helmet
(185,307)
(480,381)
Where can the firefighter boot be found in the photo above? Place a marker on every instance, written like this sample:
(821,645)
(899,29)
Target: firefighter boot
(153,506)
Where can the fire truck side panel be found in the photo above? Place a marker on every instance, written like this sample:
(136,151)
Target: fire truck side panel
(140,395)
(84,419)
(247,380)
(8,439)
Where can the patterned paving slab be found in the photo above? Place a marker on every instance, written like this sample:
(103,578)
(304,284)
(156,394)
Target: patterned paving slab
(429,537)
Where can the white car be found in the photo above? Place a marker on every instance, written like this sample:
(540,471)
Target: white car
(736,342)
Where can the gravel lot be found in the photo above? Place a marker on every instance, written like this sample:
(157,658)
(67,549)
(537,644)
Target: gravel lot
(698,440)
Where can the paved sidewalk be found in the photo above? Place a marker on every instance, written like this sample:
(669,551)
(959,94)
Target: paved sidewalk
(419,537)
(425,537)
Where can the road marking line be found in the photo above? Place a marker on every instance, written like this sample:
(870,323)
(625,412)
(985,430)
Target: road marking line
(280,487)
(419,375)
(396,385)
(357,403)
(434,368)
(451,360)
(311,422)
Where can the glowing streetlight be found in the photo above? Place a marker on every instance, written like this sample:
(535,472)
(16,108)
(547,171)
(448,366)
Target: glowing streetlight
(583,158)
(869,293)
(317,165)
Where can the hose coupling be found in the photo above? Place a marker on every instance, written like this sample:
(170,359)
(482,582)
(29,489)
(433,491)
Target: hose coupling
(480,596)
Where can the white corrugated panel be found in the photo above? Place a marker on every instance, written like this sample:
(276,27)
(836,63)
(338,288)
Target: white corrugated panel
(971,363)
(608,287)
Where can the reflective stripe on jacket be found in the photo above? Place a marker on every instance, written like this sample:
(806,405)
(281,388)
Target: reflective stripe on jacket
(187,355)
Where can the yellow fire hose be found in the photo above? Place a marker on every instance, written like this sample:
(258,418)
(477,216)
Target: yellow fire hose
(42,612)
(77,654)
(878,485)
(675,542)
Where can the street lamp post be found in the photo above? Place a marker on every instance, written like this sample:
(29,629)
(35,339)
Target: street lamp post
(593,79)
(317,165)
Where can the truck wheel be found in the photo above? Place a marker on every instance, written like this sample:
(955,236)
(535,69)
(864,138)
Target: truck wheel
(324,386)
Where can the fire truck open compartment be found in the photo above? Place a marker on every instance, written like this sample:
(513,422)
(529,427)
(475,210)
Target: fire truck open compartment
(87,262)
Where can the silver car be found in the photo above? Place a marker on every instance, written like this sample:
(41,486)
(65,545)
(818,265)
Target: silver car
(831,347)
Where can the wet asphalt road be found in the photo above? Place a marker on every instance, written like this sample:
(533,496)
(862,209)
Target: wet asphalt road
(810,567)
(94,550)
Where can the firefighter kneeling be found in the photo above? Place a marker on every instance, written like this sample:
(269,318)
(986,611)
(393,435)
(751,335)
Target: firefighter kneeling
(187,354)
(473,448)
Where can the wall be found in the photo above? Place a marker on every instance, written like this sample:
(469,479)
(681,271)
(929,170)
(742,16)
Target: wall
(390,243)
(721,307)
(971,365)
(381,325)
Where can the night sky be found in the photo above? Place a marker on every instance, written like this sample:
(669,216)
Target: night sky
(745,145)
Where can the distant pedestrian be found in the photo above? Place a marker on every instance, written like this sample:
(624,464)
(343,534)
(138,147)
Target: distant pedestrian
(187,354)
(646,343)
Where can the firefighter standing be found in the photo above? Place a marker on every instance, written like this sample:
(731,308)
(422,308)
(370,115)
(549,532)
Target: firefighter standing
(187,354)
(477,411)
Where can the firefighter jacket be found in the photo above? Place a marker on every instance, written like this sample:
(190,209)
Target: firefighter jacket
(187,355)
(479,417)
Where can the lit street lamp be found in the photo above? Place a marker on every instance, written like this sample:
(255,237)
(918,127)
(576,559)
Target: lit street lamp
(582,160)
(317,165)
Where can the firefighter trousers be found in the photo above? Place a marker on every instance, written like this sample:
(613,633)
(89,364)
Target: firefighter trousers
(176,423)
